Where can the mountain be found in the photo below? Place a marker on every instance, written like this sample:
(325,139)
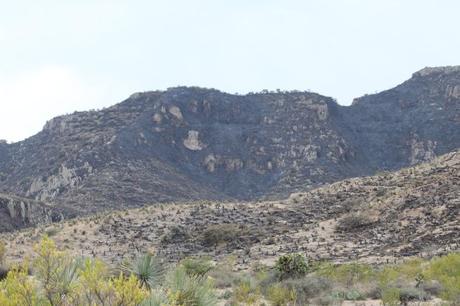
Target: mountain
(190,143)
(414,211)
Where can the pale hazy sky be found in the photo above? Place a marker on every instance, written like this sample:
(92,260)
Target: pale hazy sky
(65,55)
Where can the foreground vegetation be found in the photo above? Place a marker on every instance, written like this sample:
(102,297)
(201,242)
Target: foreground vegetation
(52,277)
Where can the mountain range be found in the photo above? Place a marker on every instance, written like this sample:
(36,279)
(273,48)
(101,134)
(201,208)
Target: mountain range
(190,143)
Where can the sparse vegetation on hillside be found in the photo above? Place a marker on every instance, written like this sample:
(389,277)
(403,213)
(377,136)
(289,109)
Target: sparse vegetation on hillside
(342,222)
(59,279)
(52,277)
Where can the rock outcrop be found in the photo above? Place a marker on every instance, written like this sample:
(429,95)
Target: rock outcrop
(16,212)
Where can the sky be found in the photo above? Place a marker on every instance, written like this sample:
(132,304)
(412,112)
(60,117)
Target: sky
(60,56)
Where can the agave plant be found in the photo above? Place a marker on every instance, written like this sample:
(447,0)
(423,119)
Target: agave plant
(148,269)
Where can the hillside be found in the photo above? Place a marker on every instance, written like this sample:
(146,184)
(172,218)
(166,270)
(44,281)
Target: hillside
(188,144)
(414,211)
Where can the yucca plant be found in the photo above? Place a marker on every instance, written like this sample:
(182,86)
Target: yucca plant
(68,278)
(148,269)
(188,290)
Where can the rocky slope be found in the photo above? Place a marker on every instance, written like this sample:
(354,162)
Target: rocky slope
(192,143)
(415,211)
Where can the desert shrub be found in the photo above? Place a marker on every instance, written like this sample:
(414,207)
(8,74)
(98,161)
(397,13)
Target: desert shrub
(432,287)
(220,233)
(197,267)
(291,266)
(279,295)
(390,297)
(347,274)
(352,222)
(412,269)
(223,275)
(387,276)
(57,272)
(19,289)
(127,291)
(266,279)
(246,292)
(98,288)
(308,287)
(410,294)
(350,295)
(446,270)
(51,231)
(93,279)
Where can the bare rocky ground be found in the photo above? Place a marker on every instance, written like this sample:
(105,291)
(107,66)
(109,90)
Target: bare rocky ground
(383,218)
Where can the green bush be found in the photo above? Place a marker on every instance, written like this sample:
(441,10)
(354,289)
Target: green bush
(291,266)
(390,297)
(446,270)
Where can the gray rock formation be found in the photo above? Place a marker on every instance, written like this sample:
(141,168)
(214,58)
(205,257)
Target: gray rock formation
(18,212)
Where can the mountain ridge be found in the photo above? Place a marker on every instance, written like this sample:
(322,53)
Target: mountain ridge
(190,143)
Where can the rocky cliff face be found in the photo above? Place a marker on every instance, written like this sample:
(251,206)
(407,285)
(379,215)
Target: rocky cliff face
(193,143)
(18,212)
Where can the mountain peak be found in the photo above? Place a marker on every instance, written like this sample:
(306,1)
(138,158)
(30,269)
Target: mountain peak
(437,70)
